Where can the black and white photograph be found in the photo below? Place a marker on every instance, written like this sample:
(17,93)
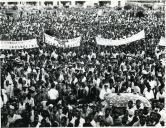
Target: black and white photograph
(82,63)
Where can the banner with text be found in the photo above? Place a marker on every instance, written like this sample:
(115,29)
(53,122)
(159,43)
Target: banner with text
(75,42)
(24,44)
(109,42)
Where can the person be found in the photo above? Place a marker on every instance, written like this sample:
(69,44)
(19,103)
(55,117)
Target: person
(161,112)
(29,100)
(130,108)
(142,120)
(12,117)
(108,120)
(53,94)
(139,105)
(87,122)
(148,92)
(104,91)
(161,94)
(93,92)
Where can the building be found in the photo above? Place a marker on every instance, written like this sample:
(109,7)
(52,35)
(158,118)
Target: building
(61,3)
(154,3)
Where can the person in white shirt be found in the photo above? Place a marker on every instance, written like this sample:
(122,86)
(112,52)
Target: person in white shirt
(29,100)
(130,108)
(53,94)
(78,121)
(148,93)
(104,91)
(9,88)
(3,94)
(153,83)
(161,94)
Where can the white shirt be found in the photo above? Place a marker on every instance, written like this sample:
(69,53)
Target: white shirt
(75,80)
(73,120)
(128,90)
(103,92)
(54,55)
(82,121)
(153,84)
(9,89)
(61,78)
(131,111)
(21,106)
(30,101)
(84,79)
(159,95)
(163,115)
(53,94)
(5,98)
(97,82)
(93,123)
(149,95)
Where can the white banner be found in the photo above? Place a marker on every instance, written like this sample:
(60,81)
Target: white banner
(75,42)
(162,41)
(24,44)
(109,42)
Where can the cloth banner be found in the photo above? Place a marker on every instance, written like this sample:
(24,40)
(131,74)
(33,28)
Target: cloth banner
(109,42)
(24,44)
(162,41)
(75,42)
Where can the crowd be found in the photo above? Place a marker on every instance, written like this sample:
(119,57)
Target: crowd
(57,87)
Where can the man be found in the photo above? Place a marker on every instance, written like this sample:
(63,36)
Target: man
(53,95)
(148,93)
(139,105)
(87,122)
(107,118)
(8,88)
(94,92)
(12,117)
(130,108)
(142,120)
(104,91)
